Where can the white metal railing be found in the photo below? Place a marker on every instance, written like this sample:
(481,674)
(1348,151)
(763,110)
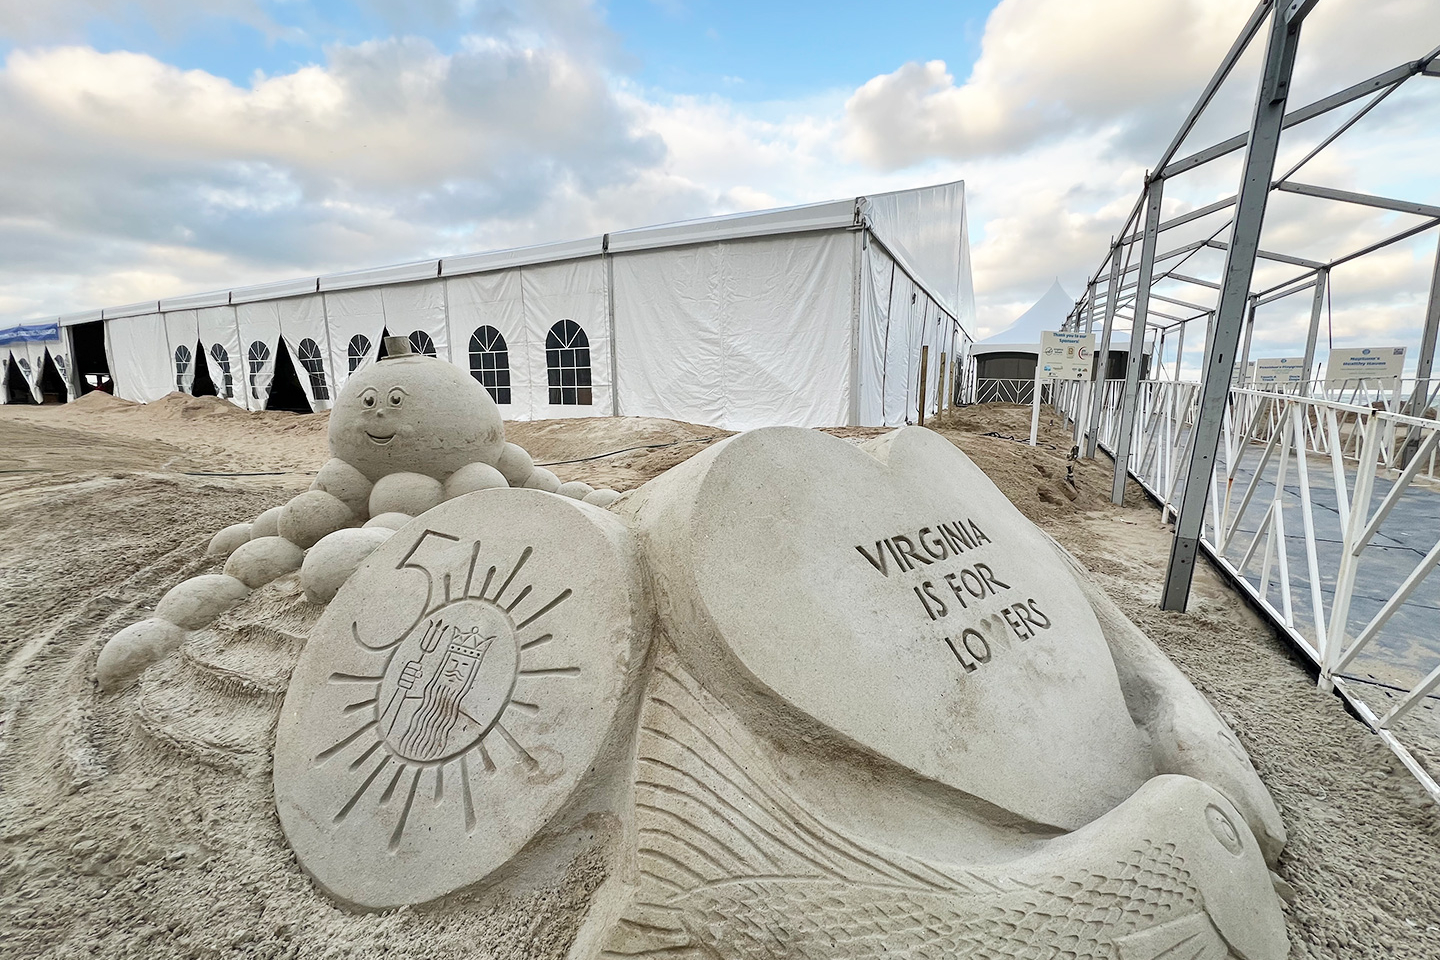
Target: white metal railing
(998,390)
(1293,467)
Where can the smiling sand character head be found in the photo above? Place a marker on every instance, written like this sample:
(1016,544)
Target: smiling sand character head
(415,414)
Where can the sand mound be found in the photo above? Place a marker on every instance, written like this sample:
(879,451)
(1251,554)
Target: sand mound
(182,406)
(98,401)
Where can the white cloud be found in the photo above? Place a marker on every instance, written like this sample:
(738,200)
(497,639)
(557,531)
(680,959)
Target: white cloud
(123,177)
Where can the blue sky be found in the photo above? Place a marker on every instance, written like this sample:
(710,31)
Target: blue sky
(161,147)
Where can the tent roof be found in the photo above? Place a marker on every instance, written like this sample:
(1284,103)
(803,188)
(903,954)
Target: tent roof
(1047,313)
(924,228)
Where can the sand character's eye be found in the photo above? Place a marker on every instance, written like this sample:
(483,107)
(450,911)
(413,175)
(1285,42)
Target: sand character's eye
(397,397)
(368,398)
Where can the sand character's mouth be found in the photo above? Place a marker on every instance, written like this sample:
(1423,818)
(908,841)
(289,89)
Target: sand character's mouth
(382,440)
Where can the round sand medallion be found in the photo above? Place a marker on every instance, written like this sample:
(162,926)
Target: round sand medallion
(457,691)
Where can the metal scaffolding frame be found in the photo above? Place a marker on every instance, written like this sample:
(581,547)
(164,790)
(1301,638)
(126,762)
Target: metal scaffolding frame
(1230,319)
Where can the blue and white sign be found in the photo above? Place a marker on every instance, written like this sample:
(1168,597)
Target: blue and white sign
(1273,370)
(1375,366)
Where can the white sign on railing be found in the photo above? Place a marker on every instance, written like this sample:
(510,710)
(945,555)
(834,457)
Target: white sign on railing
(1378,365)
(1066,355)
(1270,370)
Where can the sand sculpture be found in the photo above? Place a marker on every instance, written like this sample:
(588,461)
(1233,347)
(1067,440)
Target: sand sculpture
(406,434)
(796,697)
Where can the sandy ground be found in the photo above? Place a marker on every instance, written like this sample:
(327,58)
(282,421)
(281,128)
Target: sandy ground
(123,833)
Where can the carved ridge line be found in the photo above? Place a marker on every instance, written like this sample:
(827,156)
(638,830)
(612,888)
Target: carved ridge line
(352,707)
(520,597)
(661,811)
(823,867)
(668,883)
(405,812)
(525,757)
(668,860)
(339,745)
(524,556)
(366,755)
(774,821)
(470,573)
(550,672)
(754,790)
(656,831)
(560,598)
(805,822)
(390,789)
(352,678)
(665,788)
(350,804)
(465,795)
(543,638)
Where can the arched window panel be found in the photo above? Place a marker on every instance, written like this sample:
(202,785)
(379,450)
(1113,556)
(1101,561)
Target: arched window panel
(24,367)
(309,353)
(420,342)
(221,356)
(490,362)
(358,350)
(183,359)
(258,355)
(567,364)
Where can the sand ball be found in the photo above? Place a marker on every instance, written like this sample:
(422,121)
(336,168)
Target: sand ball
(472,477)
(264,559)
(603,498)
(332,561)
(575,490)
(388,521)
(411,493)
(130,651)
(515,465)
(267,524)
(346,484)
(224,543)
(543,479)
(312,515)
(199,600)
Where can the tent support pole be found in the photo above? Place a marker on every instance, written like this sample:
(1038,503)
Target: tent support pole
(1097,390)
(1154,195)
(1317,305)
(1425,362)
(1219,365)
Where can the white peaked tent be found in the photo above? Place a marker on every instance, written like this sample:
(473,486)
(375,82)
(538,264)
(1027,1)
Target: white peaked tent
(1011,354)
(809,316)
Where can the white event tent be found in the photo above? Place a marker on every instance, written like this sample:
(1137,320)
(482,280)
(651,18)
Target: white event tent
(810,316)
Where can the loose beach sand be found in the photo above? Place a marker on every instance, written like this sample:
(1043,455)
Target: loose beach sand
(130,827)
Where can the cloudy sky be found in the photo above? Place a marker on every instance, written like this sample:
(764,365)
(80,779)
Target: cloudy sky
(160,147)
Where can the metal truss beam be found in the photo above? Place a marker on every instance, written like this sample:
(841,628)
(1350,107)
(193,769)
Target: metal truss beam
(1309,112)
(1363,199)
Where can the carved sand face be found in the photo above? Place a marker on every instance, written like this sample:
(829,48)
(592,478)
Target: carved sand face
(414,414)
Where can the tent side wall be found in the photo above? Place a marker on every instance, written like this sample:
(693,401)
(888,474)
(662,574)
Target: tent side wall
(899,317)
(739,333)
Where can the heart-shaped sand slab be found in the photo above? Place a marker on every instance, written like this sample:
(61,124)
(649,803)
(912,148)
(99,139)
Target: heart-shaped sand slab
(896,596)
